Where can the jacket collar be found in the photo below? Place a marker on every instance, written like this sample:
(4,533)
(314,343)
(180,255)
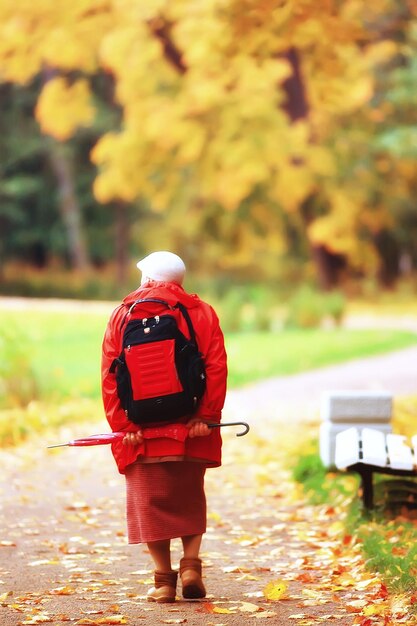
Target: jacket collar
(171,292)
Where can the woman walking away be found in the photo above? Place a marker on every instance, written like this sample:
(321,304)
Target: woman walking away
(165,497)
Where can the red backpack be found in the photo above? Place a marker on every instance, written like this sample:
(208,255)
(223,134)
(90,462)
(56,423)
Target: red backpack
(160,373)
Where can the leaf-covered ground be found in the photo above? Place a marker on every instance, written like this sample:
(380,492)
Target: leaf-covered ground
(268,555)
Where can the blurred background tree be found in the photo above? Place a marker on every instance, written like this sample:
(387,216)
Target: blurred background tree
(270,140)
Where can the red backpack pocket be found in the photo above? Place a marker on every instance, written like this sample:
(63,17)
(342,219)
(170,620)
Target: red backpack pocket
(153,369)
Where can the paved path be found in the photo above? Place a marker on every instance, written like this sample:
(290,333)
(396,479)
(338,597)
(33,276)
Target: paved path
(298,397)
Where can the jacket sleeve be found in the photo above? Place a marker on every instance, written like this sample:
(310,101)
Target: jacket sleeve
(214,352)
(115,414)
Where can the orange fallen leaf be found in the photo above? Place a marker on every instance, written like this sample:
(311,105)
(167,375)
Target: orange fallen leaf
(382,593)
(209,607)
(275,590)
(306,577)
(109,619)
(112,619)
(63,591)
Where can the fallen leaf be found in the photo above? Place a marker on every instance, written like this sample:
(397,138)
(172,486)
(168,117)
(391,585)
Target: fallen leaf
(374,609)
(247,577)
(4,596)
(306,577)
(312,593)
(275,590)
(235,569)
(383,592)
(7,544)
(248,607)
(63,591)
(112,619)
(38,619)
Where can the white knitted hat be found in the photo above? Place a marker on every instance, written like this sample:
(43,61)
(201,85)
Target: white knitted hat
(165,266)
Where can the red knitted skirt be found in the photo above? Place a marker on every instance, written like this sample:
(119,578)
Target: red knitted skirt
(165,500)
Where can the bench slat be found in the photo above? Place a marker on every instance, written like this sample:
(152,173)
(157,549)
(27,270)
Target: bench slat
(347,448)
(399,454)
(374,450)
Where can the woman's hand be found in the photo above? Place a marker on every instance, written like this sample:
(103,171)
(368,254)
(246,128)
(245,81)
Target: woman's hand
(133,439)
(198,429)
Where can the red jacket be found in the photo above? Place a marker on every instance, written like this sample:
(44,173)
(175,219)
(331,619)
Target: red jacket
(211,344)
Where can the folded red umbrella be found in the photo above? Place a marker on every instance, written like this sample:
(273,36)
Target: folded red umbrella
(179,432)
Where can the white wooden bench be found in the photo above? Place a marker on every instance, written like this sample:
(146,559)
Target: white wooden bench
(368,451)
(341,410)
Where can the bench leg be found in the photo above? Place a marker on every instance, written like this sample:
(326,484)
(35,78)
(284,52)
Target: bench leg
(367,488)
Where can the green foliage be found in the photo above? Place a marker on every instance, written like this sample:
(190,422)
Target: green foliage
(20,424)
(391,550)
(320,486)
(18,379)
(248,308)
(58,283)
(30,216)
(308,308)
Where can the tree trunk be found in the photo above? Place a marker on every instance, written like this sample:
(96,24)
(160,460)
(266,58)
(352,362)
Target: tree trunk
(389,258)
(296,104)
(328,265)
(69,206)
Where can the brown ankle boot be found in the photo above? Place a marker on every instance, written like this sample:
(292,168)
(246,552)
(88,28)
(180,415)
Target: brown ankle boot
(165,587)
(192,584)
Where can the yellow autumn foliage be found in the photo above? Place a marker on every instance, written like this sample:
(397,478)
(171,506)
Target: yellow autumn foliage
(203,90)
(63,107)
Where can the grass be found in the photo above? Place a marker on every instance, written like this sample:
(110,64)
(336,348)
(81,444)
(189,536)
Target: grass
(64,350)
(256,356)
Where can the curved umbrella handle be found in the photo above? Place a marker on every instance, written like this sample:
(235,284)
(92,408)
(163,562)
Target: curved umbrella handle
(244,424)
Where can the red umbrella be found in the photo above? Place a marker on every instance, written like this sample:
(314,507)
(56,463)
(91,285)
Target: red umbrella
(174,431)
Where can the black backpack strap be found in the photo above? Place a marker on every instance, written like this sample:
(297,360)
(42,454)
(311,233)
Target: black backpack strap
(187,317)
(118,361)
